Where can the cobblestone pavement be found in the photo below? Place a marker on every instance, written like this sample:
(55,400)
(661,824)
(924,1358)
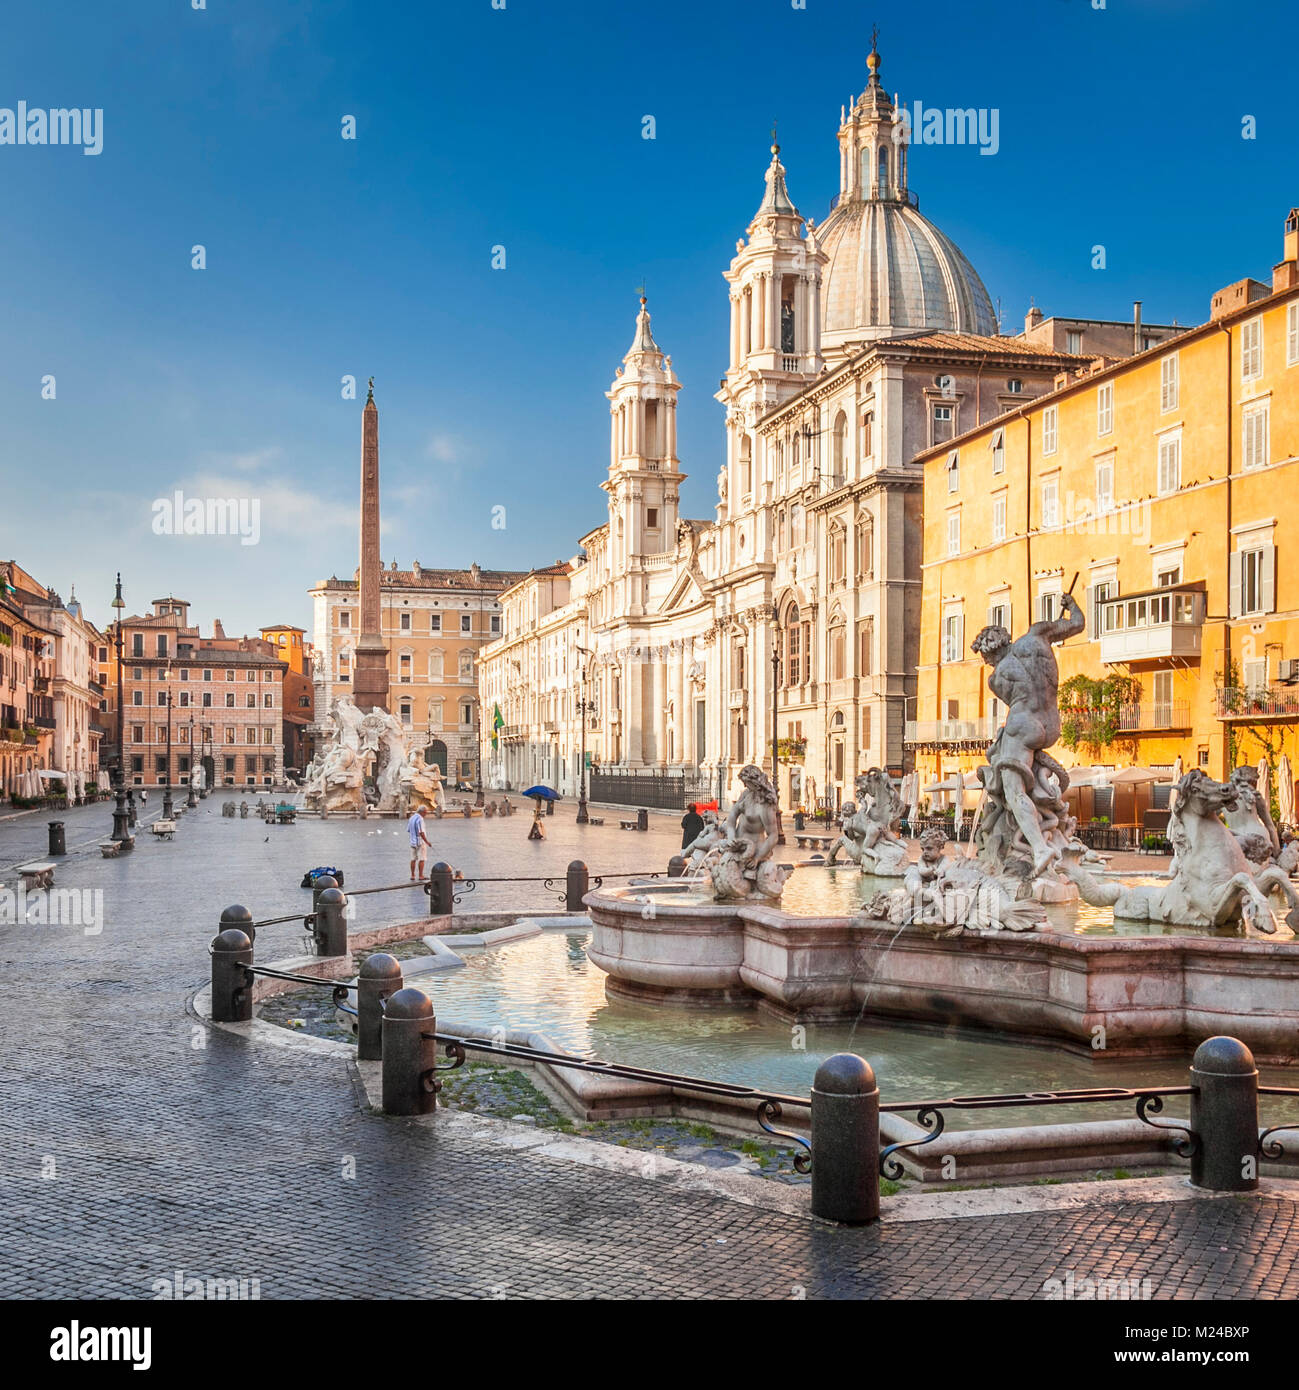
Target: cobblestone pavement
(128,1152)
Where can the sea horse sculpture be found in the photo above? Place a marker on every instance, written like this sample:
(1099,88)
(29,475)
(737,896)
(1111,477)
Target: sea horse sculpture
(1211,881)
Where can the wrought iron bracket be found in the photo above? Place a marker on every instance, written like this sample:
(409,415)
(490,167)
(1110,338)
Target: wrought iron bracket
(770,1110)
(1151,1104)
(931,1120)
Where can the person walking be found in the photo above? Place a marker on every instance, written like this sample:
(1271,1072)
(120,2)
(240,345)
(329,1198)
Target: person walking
(692,825)
(418,841)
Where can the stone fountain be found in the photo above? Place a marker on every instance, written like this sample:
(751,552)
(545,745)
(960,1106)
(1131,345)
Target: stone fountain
(365,766)
(965,941)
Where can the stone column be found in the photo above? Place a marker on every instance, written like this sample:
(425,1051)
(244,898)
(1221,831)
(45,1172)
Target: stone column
(674,675)
(746,324)
(760,293)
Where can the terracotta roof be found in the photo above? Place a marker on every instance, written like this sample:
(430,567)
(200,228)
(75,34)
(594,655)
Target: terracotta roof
(977,342)
(488,581)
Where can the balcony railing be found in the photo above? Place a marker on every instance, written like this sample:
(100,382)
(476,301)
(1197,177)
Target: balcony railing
(738,698)
(1137,719)
(1275,702)
(952,733)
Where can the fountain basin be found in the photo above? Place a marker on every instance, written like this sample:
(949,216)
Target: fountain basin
(1108,996)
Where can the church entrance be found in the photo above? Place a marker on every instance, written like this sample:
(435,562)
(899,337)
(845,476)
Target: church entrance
(436,753)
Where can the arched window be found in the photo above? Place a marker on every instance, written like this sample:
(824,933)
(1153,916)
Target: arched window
(884,172)
(839,450)
(746,466)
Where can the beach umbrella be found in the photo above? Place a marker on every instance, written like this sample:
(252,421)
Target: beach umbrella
(1285,789)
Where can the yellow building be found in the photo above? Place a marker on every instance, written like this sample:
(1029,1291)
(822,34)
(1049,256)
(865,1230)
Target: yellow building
(1161,488)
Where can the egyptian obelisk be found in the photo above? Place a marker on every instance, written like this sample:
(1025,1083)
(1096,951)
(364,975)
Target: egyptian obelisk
(370,678)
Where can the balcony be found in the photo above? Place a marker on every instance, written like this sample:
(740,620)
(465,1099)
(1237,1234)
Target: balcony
(1154,718)
(738,698)
(952,735)
(1157,625)
(1263,705)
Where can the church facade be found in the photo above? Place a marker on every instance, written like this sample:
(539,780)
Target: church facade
(793,613)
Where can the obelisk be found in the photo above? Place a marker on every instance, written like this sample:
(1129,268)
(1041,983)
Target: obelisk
(370,677)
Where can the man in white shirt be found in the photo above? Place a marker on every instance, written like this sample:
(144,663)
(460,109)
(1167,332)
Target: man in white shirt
(418,841)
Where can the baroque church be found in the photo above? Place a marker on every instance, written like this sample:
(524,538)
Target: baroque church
(855,344)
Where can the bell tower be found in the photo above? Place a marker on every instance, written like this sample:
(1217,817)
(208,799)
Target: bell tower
(645,477)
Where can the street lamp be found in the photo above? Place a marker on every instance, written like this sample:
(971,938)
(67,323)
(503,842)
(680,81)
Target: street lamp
(165,675)
(584,708)
(775,692)
(121,814)
(191,800)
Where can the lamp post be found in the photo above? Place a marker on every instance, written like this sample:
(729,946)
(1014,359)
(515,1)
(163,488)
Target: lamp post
(478,753)
(775,741)
(191,800)
(584,707)
(165,676)
(121,815)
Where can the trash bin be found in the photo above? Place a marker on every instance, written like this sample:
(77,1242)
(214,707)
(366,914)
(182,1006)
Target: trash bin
(642,819)
(799,820)
(58,839)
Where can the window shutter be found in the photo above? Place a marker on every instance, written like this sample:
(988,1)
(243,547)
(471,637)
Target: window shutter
(1267,579)
(1089,608)
(1233,584)
(960,638)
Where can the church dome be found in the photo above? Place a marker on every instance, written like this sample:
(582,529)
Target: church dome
(891,270)
(888,269)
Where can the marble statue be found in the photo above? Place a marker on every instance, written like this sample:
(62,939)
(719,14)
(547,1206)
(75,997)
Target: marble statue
(1211,881)
(1026,828)
(197,777)
(360,745)
(422,781)
(956,894)
(744,867)
(880,849)
(1251,815)
(852,830)
(709,838)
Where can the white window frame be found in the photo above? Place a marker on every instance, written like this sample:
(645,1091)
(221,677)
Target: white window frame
(1105,497)
(1168,465)
(998,446)
(1050,429)
(1292,333)
(1255,445)
(953,638)
(954,470)
(1051,490)
(1105,408)
(1251,349)
(1000,507)
(1170,385)
(954,531)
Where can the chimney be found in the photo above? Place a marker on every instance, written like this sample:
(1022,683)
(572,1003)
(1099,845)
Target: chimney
(218,632)
(1136,326)
(1285,274)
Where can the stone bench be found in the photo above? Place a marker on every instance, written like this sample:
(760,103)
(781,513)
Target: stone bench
(164,829)
(37,875)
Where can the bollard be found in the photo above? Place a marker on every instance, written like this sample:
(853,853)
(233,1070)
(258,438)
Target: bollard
(845,1141)
(409,1086)
(318,886)
(799,820)
(579,884)
(240,919)
(1224,1116)
(58,840)
(550,808)
(232,991)
(676,866)
(331,923)
(440,891)
(380,979)
(642,819)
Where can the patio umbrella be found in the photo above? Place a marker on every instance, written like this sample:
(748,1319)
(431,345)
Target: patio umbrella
(1176,777)
(1134,777)
(1264,780)
(545,793)
(1285,789)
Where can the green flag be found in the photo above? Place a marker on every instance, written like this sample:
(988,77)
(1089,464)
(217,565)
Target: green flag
(498,722)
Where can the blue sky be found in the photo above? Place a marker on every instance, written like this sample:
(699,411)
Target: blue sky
(522,127)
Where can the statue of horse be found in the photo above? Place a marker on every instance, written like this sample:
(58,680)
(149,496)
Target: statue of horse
(1211,881)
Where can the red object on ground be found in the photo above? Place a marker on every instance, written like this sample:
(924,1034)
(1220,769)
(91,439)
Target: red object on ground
(705,805)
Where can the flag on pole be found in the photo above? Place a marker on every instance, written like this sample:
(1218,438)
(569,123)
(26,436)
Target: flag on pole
(498,723)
